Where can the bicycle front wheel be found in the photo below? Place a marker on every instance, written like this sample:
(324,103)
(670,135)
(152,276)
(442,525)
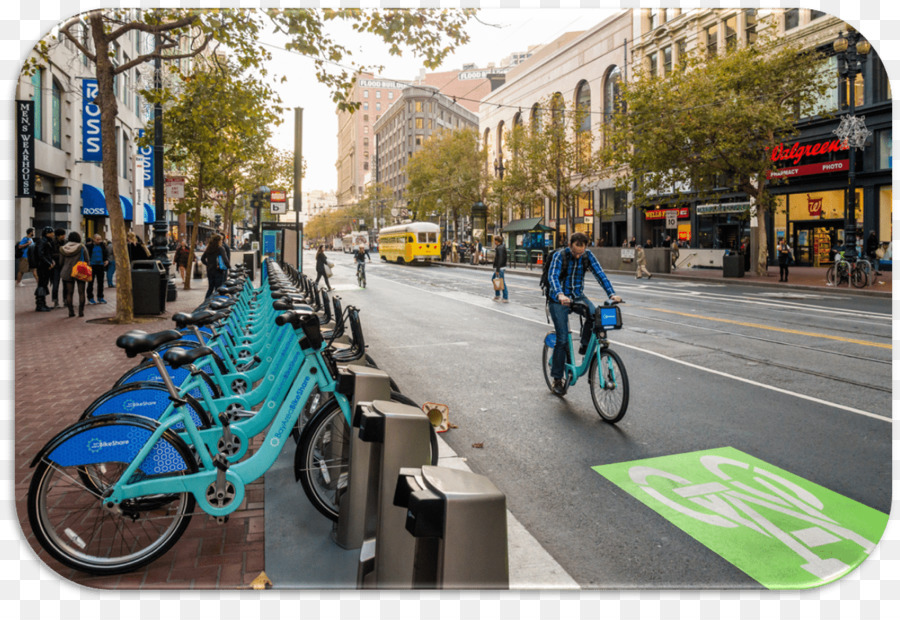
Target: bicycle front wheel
(70,521)
(858,277)
(322,461)
(610,395)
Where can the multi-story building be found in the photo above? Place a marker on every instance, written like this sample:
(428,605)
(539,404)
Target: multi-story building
(419,112)
(811,212)
(68,191)
(584,68)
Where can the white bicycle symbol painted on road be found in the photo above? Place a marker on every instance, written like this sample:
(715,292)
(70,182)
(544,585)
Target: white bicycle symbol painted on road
(733,503)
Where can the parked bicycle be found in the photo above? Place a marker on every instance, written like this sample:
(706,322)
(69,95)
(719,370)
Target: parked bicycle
(605,369)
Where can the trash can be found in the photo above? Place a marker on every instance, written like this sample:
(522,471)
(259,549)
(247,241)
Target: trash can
(148,287)
(733,265)
(458,520)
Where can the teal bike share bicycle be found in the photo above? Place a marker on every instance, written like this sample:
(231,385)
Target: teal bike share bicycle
(114,492)
(603,366)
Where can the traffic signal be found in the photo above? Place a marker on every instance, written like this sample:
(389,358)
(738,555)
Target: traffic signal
(218,219)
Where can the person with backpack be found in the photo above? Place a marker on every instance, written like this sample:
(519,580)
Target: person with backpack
(563,283)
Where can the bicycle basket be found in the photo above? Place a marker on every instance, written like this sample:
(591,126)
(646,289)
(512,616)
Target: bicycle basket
(608,317)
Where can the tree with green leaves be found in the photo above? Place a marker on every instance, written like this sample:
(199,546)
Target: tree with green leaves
(220,121)
(186,33)
(711,126)
(447,175)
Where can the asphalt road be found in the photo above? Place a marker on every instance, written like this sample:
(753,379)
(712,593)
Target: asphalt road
(798,380)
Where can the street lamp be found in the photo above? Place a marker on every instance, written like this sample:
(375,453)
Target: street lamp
(851,50)
(499,169)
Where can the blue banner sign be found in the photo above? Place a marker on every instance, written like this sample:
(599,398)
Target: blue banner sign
(91,143)
(146,153)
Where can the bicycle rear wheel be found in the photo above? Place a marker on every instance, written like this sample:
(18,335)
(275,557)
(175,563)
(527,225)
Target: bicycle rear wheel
(858,277)
(322,463)
(610,398)
(69,519)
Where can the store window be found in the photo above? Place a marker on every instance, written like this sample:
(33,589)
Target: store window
(56,113)
(583,105)
(731,32)
(884,140)
(37,82)
(885,195)
(828,101)
(881,87)
(667,60)
(611,93)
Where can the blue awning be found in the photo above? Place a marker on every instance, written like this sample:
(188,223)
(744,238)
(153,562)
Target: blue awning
(94,203)
(149,214)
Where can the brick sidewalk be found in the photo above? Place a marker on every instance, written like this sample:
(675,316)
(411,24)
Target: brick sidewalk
(61,365)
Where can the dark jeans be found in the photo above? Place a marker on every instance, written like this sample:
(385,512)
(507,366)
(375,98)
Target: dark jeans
(783,271)
(69,293)
(320,276)
(559,314)
(110,270)
(216,279)
(43,282)
(98,276)
(55,278)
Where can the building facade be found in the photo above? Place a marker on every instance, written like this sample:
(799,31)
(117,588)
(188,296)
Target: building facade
(419,112)
(585,69)
(811,201)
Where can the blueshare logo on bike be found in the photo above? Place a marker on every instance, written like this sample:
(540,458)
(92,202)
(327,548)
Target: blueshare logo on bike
(131,405)
(119,443)
(150,403)
(550,339)
(782,530)
(151,374)
(276,440)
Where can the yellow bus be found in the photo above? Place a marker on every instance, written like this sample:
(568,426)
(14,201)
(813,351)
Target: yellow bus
(416,242)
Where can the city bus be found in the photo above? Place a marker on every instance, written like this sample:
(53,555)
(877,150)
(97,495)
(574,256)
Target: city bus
(416,242)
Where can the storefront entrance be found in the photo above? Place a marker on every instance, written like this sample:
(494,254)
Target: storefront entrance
(813,241)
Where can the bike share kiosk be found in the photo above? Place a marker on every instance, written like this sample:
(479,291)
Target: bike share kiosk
(370,384)
(400,437)
(458,522)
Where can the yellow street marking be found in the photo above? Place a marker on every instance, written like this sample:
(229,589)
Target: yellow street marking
(866,343)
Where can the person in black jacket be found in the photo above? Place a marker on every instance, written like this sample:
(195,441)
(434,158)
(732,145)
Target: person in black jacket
(499,268)
(44,263)
(215,259)
(98,258)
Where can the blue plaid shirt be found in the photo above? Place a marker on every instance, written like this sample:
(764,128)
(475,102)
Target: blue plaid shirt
(573,286)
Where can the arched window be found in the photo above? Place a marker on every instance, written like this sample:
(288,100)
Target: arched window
(37,83)
(583,105)
(611,93)
(536,117)
(517,119)
(557,108)
(56,112)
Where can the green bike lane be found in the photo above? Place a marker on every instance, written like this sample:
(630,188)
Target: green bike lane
(824,492)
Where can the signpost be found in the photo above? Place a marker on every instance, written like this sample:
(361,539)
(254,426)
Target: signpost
(175,188)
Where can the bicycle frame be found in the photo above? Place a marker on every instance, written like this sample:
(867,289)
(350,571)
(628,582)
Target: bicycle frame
(595,348)
(313,373)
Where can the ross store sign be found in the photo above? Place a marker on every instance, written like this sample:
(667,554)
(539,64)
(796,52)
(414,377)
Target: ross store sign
(799,171)
(91,142)
(660,214)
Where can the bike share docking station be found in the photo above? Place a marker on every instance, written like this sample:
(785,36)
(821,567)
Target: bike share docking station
(416,526)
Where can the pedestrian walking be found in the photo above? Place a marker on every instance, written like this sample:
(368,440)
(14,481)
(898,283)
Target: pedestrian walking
(22,249)
(72,252)
(182,254)
(785,255)
(672,243)
(640,260)
(322,267)
(136,248)
(96,249)
(500,257)
(215,259)
(110,265)
(43,254)
(55,273)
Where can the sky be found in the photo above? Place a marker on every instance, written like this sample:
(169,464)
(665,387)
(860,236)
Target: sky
(495,35)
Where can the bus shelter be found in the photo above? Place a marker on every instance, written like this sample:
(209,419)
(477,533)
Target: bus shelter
(528,241)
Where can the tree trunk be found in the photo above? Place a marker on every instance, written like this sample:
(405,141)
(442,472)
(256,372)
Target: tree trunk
(109,109)
(762,256)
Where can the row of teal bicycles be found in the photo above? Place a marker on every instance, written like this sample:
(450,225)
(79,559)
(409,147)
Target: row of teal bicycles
(115,490)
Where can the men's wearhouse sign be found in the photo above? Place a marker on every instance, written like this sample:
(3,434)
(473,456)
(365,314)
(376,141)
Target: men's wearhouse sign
(92,145)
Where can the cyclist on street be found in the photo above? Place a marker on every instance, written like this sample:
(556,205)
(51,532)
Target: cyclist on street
(361,255)
(567,286)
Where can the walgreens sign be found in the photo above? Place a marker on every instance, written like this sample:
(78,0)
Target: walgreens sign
(797,152)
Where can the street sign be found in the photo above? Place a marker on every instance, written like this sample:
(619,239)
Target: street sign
(672,219)
(278,207)
(278,195)
(175,188)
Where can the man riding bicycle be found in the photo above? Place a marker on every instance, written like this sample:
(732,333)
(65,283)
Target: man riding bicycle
(565,287)
(360,255)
